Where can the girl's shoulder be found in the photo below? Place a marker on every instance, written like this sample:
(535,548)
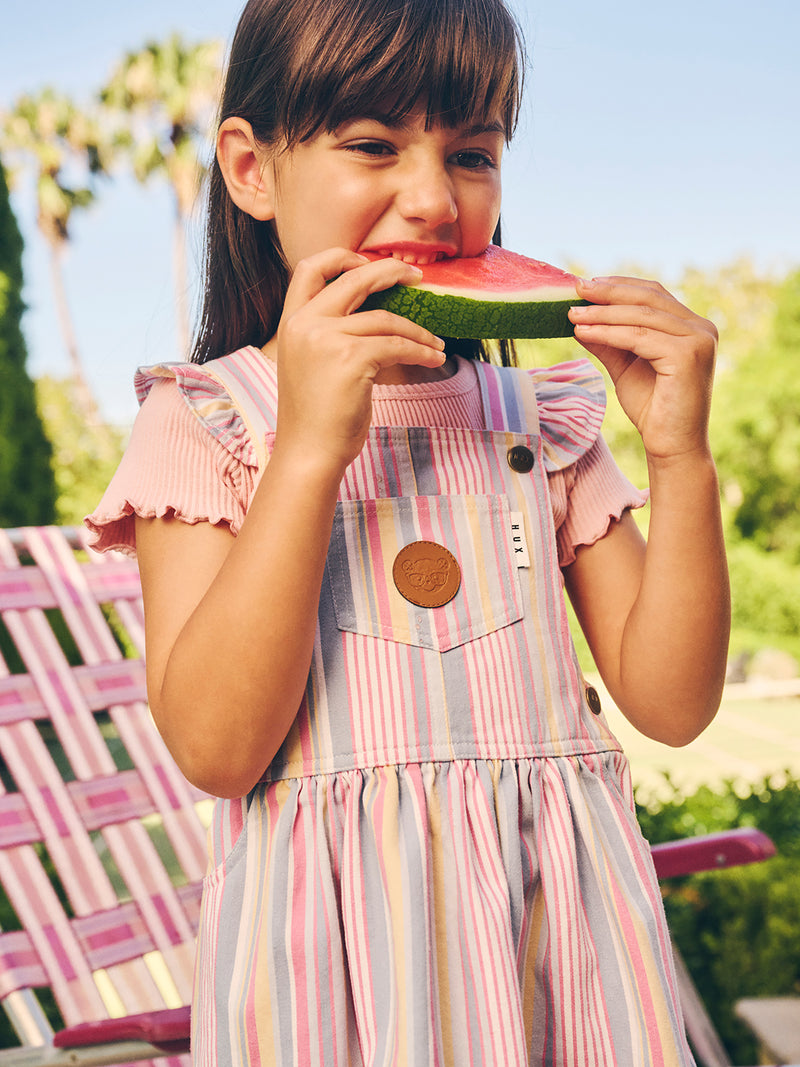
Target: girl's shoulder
(231,396)
(564,403)
(236,398)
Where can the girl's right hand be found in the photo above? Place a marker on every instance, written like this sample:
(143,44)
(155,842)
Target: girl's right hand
(329,358)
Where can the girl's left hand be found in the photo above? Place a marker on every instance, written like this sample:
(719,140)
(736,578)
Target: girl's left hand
(660,356)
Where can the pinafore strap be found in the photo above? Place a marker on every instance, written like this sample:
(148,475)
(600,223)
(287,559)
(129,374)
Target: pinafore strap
(236,397)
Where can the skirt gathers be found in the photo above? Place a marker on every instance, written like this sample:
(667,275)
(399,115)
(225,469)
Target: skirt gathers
(467,912)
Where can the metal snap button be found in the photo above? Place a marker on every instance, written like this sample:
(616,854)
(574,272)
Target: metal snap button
(593,700)
(520,459)
(426,574)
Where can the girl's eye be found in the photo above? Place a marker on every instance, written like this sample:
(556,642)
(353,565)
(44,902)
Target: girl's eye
(369,148)
(473,160)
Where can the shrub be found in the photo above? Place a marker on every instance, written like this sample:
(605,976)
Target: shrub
(765,588)
(739,929)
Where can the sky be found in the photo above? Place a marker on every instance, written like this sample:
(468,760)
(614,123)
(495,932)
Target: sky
(660,135)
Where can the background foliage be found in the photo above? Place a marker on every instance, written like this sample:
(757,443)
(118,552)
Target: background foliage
(27,489)
(738,929)
(83,458)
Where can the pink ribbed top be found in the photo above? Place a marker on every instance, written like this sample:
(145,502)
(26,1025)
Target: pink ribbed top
(173,466)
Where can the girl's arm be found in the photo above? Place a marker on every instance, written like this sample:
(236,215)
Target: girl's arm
(657,616)
(230,622)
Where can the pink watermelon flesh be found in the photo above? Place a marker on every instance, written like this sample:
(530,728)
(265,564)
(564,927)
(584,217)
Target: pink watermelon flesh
(498,294)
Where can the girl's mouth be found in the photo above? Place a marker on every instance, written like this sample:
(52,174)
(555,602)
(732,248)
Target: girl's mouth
(415,253)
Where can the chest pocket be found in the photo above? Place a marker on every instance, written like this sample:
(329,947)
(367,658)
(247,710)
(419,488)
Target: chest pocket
(475,530)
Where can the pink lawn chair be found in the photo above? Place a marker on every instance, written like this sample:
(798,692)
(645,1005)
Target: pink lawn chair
(102,846)
(102,841)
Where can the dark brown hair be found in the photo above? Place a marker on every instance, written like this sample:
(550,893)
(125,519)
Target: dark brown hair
(300,67)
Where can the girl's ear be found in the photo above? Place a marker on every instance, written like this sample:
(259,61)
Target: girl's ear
(246,170)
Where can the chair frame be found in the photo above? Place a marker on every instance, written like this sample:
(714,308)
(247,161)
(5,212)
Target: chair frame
(106,923)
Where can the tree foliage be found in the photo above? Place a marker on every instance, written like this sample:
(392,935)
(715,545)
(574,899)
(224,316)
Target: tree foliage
(165,93)
(64,146)
(163,97)
(757,434)
(83,458)
(27,490)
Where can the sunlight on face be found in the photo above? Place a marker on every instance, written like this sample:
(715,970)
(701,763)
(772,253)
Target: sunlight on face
(400,189)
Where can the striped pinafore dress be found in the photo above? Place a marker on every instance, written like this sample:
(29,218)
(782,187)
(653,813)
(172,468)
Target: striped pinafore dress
(441,866)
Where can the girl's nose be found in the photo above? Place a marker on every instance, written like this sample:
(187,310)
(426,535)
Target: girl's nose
(427,194)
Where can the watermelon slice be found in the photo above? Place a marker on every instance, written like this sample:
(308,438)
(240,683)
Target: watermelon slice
(498,294)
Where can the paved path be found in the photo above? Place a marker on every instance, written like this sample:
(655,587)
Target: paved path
(756,733)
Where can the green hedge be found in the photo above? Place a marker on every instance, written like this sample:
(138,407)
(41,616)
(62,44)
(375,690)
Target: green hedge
(27,487)
(738,929)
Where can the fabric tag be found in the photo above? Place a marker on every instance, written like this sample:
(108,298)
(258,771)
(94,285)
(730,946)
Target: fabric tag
(521,557)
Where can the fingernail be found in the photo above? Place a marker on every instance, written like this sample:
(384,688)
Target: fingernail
(585,283)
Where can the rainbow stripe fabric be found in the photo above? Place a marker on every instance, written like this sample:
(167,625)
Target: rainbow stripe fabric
(442,865)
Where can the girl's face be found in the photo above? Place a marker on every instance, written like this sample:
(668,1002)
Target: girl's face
(402,190)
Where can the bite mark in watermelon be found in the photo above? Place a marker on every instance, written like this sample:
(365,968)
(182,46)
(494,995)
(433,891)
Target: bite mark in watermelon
(498,294)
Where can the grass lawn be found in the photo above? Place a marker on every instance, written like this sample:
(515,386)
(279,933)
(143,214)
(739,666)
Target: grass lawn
(749,739)
(752,736)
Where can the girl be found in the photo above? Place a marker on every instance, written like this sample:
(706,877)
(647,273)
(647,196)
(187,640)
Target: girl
(425,850)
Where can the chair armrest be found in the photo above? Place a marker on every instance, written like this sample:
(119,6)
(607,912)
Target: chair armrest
(709,852)
(167,1030)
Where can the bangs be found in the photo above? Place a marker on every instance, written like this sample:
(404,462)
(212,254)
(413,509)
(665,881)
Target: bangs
(459,60)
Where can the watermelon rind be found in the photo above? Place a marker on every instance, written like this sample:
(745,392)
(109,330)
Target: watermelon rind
(467,318)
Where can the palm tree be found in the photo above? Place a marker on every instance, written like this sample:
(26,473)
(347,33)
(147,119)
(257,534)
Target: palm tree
(67,151)
(165,96)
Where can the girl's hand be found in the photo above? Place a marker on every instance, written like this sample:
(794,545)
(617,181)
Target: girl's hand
(660,356)
(329,358)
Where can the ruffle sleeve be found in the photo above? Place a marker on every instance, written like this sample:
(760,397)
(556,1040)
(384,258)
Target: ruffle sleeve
(588,491)
(174,466)
(207,399)
(571,401)
(587,497)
